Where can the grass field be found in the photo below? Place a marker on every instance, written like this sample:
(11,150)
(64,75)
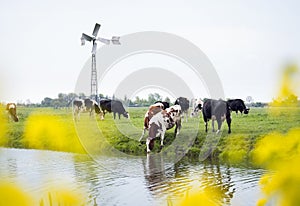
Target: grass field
(54,129)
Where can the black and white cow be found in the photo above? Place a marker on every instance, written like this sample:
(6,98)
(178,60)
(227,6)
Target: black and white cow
(216,110)
(237,105)
(161,122)
(184,104)
(78,107)
(12,111)
(166,104)
(197,107)
(91,106)
(114,106)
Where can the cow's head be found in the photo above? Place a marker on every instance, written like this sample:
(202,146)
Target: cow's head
(168,119)
(126,115)
(197,109)
(246,111)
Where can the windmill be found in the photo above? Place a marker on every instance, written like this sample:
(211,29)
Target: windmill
(93,39)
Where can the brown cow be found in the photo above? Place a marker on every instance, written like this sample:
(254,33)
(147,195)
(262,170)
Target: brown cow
(153,109)
(12,111)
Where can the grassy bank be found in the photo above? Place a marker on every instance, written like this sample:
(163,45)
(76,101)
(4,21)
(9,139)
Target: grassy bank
(54,129)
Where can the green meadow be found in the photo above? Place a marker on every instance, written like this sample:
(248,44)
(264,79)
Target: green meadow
(55,129)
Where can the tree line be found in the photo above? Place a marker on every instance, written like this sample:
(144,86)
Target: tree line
(65,100)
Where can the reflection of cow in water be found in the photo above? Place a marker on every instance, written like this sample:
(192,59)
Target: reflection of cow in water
(12,111)
(154,171)
(114,106)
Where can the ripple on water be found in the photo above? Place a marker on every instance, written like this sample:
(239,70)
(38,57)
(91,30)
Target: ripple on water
(126,181)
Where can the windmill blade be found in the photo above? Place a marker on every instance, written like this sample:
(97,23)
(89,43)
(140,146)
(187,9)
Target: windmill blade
(87,37)
(115,40)
(96,29)
(105,41)
(94,48)
(82,41)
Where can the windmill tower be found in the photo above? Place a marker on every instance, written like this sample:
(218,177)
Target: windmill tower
(93,39)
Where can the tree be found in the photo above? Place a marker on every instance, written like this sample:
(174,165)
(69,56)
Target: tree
(47,102)
(154,97)
(167,99)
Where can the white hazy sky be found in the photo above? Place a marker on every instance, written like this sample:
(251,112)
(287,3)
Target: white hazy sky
(248,42)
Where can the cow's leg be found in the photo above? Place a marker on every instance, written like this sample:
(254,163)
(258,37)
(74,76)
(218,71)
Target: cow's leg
(147,143)
(114,115)
(162,137)
(119,115)
(178,127)
(219,125)
(186,116)
(205,121)
(228,120)
(143,133)
(213,125)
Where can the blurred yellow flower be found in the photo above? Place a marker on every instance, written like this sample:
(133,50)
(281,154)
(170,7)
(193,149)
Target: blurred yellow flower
(51,133)
(281,155)
(3,126)
(12,195)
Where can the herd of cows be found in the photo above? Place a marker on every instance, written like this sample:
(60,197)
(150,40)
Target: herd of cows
(161,116)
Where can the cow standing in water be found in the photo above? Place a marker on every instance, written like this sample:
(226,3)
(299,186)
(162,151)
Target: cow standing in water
(238,105)
(12,111)
(184,104)
(153,110)
(157,121)
(114,106)
(216,110)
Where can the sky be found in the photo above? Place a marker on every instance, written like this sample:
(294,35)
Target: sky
(248,42)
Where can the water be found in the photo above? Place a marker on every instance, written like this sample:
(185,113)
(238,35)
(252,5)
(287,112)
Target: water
(126,181)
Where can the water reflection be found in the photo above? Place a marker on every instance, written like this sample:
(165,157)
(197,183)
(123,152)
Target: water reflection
(127,181)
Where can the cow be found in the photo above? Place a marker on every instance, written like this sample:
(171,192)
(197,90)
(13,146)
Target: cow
(12,111)
(237,105)
(152,110)
(216,110)
(78,107)
(184,104)
(114,106)
(166,104)
(161,121)
(91,106)
(197,108)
